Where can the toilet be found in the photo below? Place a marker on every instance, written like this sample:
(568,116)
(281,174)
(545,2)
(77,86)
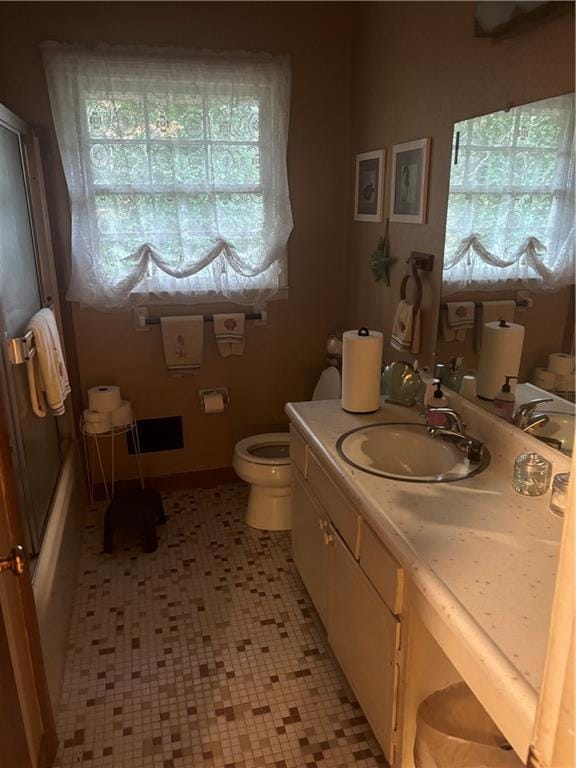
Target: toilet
(263,461)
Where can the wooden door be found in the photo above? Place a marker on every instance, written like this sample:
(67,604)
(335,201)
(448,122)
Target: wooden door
(27,730)
(309,525)
(365,638)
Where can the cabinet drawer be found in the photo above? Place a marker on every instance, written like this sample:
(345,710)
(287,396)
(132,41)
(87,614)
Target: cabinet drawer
(382,569)
(298,452)
(339,510)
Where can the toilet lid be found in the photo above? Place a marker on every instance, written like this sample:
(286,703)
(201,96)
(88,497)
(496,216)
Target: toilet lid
(270,448)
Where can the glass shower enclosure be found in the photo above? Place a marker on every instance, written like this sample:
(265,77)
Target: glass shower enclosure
(35,442)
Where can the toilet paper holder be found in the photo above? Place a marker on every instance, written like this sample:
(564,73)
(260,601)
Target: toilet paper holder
(214,390)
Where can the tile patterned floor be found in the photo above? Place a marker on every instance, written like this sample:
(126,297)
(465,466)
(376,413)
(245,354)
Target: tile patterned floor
(206,653)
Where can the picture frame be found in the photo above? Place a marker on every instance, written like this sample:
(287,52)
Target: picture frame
(409,181)
(369,187)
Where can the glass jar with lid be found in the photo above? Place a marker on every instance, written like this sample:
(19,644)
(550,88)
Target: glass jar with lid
(532,473)
(559,497)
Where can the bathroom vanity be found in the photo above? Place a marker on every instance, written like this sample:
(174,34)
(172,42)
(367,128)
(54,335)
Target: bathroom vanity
(419,584)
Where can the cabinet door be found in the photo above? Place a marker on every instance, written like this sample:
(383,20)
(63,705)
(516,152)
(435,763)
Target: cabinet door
(309,529)
(365,638)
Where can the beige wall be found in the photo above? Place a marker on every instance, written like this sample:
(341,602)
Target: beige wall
(282,361)
(417,70)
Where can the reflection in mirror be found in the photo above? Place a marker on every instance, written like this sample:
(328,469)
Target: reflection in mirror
(507,307)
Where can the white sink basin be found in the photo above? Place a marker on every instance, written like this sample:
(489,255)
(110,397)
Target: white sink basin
(560,427)
(407,452)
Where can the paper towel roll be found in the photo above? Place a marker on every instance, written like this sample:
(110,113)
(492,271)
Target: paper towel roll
(560,364)
(122,416)
(213,402)
(104,398)
(96,422)
(499,357)
(361,370)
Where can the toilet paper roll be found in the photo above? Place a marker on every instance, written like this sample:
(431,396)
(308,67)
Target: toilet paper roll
(499,357)
(213,402)
(96,422)
(361,370)
(544,379)
(560,364)
(104,398)
(122,416)
(566,383)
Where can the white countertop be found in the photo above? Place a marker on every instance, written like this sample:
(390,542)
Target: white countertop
(483,555)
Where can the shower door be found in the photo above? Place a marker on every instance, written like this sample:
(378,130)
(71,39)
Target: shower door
(34,442)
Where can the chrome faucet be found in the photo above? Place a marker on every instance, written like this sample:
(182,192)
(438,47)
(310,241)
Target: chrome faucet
(474,449)
(455,422)
(525,417)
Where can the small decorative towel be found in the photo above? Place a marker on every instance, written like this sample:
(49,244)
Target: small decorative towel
(183,340)
(457,318)
(406,329)
(230,335)
(490,311)
(47,376)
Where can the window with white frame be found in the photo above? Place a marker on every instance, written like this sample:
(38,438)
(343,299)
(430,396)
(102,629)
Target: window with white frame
(510,215)
(176,169)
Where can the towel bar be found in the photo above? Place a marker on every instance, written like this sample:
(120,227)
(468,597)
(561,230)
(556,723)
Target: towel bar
(21,349)
(141,319)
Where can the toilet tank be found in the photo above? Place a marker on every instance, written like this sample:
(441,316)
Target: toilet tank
(329,386)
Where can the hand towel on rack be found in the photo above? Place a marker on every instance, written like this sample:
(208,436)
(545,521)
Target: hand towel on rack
(490,311)
(47,375)
(230,333)
(457,318)
(183,340)
(406,328)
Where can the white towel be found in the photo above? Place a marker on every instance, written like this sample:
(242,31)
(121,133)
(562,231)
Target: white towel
(230,333)
(491,311)
(47,375)
(406,329)
(457,318)
(183,340)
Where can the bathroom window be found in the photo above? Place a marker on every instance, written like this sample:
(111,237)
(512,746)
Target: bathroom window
(176,169)
(511,203)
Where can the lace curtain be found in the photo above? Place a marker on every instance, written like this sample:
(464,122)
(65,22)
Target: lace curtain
(511,204)
(176,169)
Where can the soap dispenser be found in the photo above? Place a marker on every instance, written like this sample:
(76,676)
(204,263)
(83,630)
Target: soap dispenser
(438,400)
(505,400)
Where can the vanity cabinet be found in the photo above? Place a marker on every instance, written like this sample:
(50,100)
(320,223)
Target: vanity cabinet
(356,586)
(365,638)
(309,526)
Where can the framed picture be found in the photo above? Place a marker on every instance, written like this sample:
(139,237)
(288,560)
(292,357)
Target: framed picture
(369,186)
(409,182)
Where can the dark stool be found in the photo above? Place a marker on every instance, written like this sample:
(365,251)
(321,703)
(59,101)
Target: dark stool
(140,509)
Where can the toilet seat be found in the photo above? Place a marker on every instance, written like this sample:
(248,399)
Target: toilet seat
(271,448)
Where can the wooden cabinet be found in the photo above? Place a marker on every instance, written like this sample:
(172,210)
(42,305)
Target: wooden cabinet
(356,586)
(365,637)
(309,529)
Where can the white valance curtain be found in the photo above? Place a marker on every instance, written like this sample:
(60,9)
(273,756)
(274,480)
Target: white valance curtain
(175,163)
(511,205)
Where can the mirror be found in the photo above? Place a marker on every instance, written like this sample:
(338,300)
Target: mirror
(507,305)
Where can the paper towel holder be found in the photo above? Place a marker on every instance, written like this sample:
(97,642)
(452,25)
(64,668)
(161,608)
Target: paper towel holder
(218,390)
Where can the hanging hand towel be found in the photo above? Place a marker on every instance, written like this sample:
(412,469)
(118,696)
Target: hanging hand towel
(47,376)
(490,311)
(183,340)
(406,329)
(230,334)
(457,318)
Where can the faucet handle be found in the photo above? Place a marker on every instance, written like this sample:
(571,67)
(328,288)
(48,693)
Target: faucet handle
(526,409)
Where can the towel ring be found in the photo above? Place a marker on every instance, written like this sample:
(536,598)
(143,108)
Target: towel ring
(413,273)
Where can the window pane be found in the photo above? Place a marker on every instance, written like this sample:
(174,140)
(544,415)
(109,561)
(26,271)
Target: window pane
(115,118)
(233,119)
(178,164)
(240,213)
(122,163)
(176,117)
(235,164)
